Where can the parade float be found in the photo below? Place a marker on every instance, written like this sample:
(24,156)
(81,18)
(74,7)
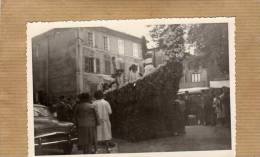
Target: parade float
(145,109)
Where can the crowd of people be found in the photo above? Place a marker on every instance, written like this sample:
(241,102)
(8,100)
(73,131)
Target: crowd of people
(91,118)
(212,108)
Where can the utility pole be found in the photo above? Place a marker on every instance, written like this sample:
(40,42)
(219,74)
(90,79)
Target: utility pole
(77,63)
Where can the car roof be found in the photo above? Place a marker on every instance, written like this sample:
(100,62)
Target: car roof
(38,105)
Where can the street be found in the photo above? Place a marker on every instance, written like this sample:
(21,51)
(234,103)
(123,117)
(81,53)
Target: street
(196,138)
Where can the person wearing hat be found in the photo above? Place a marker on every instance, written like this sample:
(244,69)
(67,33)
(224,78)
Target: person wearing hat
(87,119)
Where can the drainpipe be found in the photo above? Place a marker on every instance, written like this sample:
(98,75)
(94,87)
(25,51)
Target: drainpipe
(79,65)
(77,62)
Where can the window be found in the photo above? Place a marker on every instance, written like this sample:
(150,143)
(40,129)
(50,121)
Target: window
(195,77)
(121,47)
(97,65)
(89,64)
(36,114)
(106,43)
(135,50)
(107,67)
(122,65)
(41,112)
(90,41)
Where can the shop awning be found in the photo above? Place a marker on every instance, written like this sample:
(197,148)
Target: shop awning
(219,84)
(192,90)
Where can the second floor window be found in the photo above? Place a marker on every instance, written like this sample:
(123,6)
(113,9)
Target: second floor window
(195,77)
(89,64)
(135,50)
(90,41)
(121,47)
(106,43)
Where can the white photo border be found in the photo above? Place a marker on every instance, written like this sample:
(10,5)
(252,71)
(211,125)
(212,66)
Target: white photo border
(65,24)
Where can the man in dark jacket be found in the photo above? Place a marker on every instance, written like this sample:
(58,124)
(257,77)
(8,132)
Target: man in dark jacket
(225,100)
(181,108)
(187,101)
(64,110)
(207,107)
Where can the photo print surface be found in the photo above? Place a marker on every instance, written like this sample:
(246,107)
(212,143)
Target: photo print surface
(131,86)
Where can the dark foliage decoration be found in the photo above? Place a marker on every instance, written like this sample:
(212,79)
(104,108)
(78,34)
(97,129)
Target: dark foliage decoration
(144,109)
(144,47)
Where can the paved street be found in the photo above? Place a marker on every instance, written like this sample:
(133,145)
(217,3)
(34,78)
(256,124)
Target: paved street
(196,138)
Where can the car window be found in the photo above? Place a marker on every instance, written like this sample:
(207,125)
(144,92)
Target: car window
(42,111)
(36,114)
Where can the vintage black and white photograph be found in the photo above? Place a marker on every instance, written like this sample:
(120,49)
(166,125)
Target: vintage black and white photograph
(131,86)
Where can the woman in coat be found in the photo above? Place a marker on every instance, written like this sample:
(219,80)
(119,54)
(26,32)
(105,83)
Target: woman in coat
(104,110)
(87,119)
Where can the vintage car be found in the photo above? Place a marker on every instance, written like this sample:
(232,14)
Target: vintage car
(51,133)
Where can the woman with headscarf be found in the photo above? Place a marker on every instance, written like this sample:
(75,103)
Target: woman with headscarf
(87,119)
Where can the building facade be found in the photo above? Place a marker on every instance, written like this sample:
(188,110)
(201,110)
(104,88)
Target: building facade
(195,74)
(69,61)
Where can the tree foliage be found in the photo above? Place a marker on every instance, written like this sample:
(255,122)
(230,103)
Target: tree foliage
(144,47)
(211,42)
(169,38)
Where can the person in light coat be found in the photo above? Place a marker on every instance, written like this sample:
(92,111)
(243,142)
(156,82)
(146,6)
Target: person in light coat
(103,108)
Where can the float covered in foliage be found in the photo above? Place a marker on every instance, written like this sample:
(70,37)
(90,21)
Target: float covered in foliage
(144,109)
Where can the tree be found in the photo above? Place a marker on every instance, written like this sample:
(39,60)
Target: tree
(170,39)
(212,43)
(144,47)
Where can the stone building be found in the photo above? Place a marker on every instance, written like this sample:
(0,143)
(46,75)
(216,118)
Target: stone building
(195,74)
(69,61)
